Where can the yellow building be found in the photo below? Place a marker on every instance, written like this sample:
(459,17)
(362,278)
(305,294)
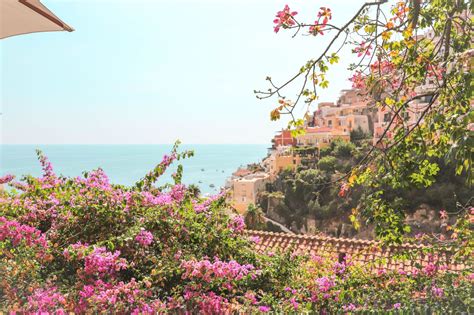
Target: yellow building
(245,190)
(281,159)
(321,137)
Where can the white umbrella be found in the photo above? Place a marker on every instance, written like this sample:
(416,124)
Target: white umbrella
(28,16)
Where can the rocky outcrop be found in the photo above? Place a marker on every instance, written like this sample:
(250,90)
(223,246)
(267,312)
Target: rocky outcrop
(423,220)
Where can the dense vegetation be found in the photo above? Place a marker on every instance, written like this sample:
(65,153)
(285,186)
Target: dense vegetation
(85,245)
(307,194)
(413,62)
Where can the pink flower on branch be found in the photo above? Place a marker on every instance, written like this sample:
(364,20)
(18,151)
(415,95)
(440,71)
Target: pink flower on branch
(358,80)
(102,263)
(326,14)
(208,271)
(443,214)
(284,19)
(6,179)
(18,233)
(144,238)
(46,300)
(362,50)
(237,224)
(316,29)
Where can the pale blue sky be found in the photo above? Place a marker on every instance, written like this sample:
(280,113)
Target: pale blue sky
(155,71)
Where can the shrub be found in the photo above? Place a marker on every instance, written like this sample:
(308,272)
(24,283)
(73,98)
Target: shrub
(327,163)
(84,245)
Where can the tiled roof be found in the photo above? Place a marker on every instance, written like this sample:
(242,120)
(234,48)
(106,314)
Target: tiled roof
(372,254)
(241,172)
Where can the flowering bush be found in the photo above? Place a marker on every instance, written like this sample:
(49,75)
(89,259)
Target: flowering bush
(85,245)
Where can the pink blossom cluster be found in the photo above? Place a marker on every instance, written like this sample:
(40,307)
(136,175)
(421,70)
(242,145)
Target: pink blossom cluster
(325,283)
(178,192)
(17,233)
(46,165)
(46,300)
(437,292)
(207,302)
(212,303)
(339,268)
(96,179)
(384,67)
(100,262)
(358,80)
(349,307)
(144,238)
(237,224)
(324,15)
(363,49)
(151,199)
(151,177)
(105,296)
(6,179)
(204,205)
(49,178)
(284,18)
(209,271)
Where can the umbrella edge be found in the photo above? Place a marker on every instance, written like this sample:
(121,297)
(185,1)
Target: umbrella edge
(50,17)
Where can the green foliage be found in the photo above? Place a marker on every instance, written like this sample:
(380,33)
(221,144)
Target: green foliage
(414,61)
(84,245)
(254,218)
(327,163)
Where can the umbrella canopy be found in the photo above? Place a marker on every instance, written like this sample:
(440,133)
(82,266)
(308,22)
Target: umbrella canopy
(28,16)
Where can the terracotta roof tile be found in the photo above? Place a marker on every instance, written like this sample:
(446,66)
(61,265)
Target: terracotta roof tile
(370,253)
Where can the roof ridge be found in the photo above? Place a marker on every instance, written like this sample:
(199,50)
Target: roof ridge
(327,238)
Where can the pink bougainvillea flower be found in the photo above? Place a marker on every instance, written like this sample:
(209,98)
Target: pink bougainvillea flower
(237,224)
(437,292)
(144,238)
(264,308)
(44,300)
(349,307)
(6,179)
(325,283)
(294,303)
(255,239)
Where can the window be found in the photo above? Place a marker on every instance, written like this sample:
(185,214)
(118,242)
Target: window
(386,117)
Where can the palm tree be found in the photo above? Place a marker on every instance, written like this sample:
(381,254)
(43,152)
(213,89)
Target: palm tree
(254,218)
(194,190)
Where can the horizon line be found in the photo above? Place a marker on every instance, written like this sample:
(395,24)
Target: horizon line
(171,143)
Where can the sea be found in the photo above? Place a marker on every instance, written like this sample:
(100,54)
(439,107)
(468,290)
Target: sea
(209,168)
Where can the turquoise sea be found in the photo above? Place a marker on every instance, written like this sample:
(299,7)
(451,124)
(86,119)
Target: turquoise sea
(125,164)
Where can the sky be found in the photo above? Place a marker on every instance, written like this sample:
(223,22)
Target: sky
(153,71)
